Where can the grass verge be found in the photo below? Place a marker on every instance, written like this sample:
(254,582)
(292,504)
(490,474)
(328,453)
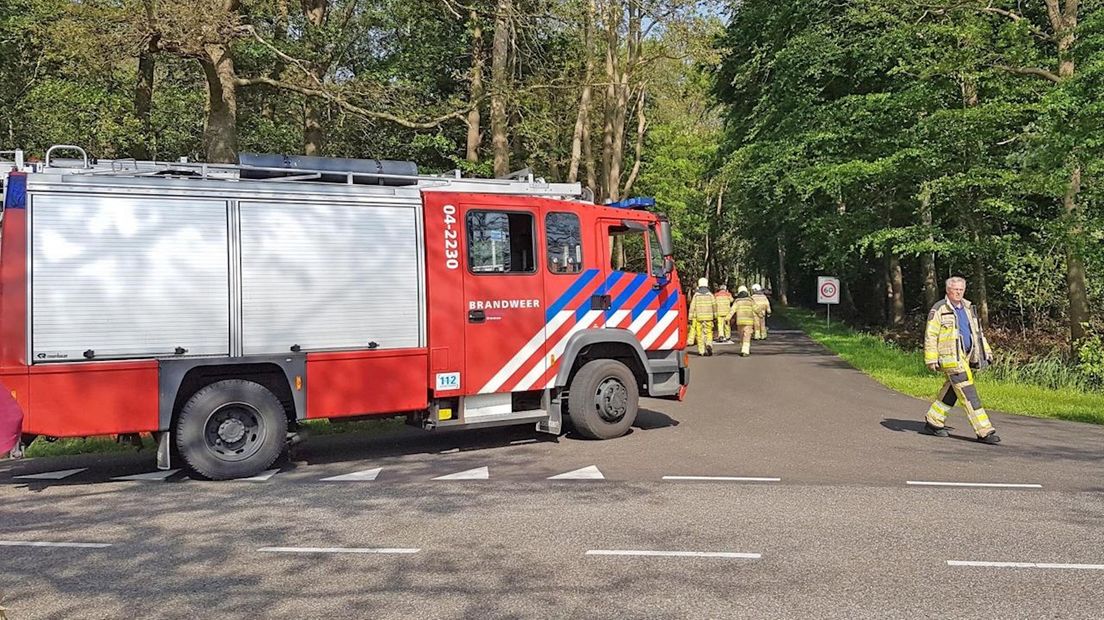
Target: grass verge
(905,372)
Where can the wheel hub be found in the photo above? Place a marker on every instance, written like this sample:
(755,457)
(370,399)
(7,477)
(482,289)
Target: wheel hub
(612,399)
(231,430)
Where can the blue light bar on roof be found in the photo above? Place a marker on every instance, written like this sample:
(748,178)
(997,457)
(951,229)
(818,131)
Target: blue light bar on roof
(640,202)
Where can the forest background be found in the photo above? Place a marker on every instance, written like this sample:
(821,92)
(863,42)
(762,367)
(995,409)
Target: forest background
(891,143)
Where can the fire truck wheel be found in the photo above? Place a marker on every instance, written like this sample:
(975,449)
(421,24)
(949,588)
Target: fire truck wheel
(602,399)
(231,429)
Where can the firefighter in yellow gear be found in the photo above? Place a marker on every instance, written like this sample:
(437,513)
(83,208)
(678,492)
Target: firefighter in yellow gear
(955,345)
(703,316)
(762,304)
(745,313)
(724,307)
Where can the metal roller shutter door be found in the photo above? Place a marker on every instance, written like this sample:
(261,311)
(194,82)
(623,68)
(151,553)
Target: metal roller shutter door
(329,276)
(128,277)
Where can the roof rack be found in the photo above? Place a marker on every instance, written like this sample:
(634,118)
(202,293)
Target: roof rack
(129,167)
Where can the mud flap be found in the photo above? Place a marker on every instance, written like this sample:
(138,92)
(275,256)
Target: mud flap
(554,424)
(164,449)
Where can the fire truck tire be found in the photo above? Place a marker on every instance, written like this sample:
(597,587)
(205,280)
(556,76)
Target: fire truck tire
(231,429)
(603,399)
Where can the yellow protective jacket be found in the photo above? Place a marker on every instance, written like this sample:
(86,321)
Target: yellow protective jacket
(703,306)
(943,342)
(745,311)
(724,303)
(762,303)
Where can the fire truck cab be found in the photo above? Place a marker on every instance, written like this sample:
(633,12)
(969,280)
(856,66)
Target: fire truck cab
(219,306)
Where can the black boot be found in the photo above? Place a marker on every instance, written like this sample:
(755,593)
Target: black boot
(991,439)
(938,431)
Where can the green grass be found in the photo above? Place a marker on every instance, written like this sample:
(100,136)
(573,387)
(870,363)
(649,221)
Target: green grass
(1009,390)
(103,445)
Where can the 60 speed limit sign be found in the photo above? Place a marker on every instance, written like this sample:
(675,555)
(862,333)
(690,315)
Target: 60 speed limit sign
(828,290)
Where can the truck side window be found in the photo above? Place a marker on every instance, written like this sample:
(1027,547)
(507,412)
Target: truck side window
(564,242)
(501,242)
(628,251)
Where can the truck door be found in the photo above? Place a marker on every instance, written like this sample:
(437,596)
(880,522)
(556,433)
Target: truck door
(638,301)
(504,314)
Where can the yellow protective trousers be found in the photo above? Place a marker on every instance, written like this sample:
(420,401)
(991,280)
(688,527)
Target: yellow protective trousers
(960,389)
(760,328)
(724,329)
(702,333)
(745,339)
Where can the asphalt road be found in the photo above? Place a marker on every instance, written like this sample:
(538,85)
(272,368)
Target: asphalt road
(816,517)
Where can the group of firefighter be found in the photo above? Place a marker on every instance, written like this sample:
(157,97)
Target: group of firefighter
(712,316)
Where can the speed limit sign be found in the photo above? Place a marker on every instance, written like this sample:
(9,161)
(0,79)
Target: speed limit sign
(828,290)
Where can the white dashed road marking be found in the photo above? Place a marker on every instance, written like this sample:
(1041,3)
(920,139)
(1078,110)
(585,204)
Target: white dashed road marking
(153,475)
(1026,565)
(586,473)
(33,543)
(52,475)
(479,473)
(676,554)
(357,476)
(724,478)
(261,477)
(338,550)
(995,485)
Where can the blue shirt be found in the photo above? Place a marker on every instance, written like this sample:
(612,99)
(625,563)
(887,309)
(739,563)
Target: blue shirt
(964,326)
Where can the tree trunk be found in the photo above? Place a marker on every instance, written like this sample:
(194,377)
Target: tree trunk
(927,259)
(896,290)
(500,50)
(780,294)
(143,100)
(1075,266)
(582,118)
(313,135)
(1063,21)
(474,128)
(220,130)
(848,300)
(980,285)
(279,35)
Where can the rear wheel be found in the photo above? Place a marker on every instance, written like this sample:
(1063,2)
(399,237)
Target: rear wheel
(231,429)
(603,399)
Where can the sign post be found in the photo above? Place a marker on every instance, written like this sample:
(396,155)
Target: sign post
(828,291)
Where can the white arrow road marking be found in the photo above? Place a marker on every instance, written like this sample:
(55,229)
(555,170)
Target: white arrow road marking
(52,475)
(676,554)
(1026,565)
(261,477)
(357,476)
(479,473)
(335,550)
(153,475)
(32,543)
(586,473)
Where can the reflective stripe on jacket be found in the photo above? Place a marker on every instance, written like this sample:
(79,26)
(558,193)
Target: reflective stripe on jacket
(943,341)
(761,303)
(724,302)
(745,312)
(703,306)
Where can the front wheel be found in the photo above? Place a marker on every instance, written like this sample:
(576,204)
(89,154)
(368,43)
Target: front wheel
(603,399)
(231,429)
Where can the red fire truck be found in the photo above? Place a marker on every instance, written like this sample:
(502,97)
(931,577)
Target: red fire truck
(218,306)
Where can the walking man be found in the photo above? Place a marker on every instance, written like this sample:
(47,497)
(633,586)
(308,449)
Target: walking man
(703,316)
(724,306)
(955,345)
(762,305)
(745,312)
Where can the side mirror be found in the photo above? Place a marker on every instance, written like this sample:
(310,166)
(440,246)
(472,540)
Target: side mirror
(666,240)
